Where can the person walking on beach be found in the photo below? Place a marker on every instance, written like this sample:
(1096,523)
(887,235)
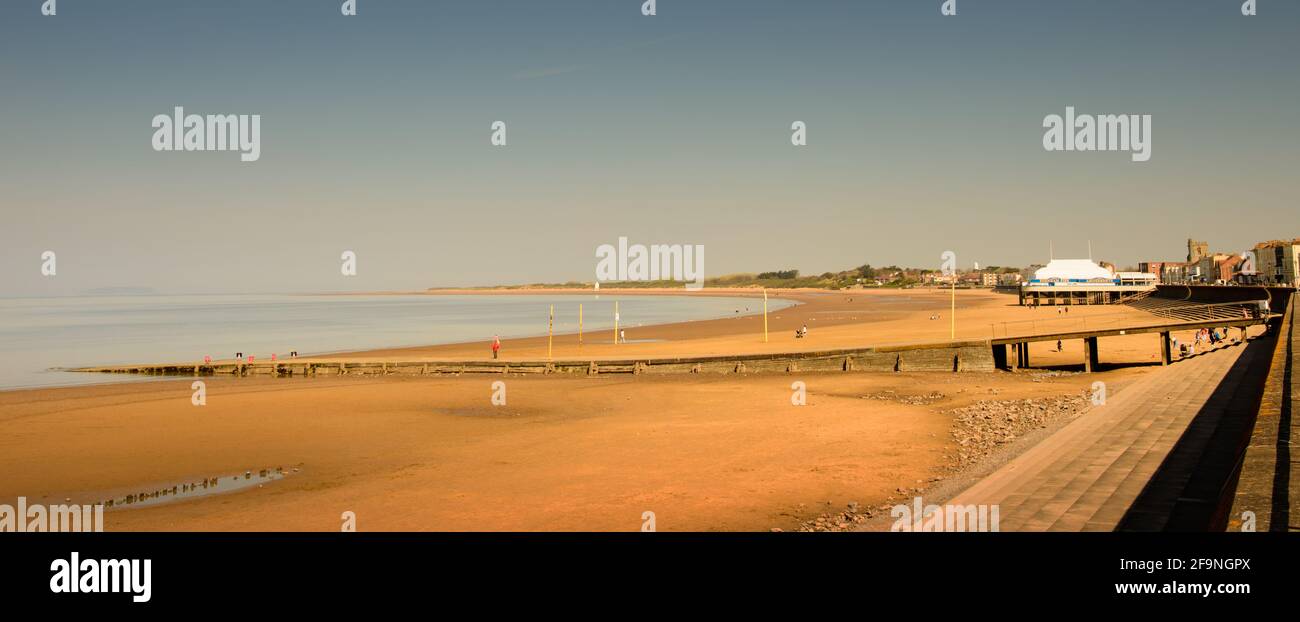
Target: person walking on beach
(496,345)
(622,336)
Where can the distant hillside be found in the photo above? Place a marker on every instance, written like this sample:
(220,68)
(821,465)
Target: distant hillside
(863,276)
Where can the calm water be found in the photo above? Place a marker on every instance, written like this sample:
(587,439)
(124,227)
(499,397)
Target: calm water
(37,334)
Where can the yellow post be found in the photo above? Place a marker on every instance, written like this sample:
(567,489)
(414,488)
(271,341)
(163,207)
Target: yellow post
(764,316)
(550,331)
(579,325)
(615,322)
(952,314)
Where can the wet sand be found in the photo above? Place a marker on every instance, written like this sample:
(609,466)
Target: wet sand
(703,453)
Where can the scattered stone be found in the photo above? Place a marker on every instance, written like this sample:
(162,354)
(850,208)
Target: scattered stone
(922,399)
(982,427)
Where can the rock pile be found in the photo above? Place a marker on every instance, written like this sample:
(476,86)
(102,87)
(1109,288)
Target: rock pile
(978,430)
(845,520)
(911,400)
(984,426)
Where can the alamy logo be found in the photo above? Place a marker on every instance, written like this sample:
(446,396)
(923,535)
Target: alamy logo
(799,397)
(349,267)
(921,517)
(95,576)
(1099,393)
(39,518)
(948,267)
(49,264)
(214,132)
(672,262)
(1247,265)
(1108,132)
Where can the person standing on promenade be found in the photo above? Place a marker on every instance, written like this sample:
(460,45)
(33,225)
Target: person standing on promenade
(496,345)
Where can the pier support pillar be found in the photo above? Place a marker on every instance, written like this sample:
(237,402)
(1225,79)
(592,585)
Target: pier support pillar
(1165,348)
(1024,354)
(1090,357)
(999,357)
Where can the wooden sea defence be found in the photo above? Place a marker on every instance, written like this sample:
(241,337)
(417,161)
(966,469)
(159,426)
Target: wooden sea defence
(954,356)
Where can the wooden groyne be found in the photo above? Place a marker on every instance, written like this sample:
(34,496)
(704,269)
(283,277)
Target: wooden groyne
(948,356)
(951,356)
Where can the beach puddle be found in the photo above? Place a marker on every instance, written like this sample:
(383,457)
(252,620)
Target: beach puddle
(195,489)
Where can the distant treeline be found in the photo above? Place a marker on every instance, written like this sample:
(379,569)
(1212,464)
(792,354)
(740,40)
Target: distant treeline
(865,276)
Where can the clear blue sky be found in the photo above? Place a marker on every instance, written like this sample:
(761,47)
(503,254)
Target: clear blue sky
(924,136)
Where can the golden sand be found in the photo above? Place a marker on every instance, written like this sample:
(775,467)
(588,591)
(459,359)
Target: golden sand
(415,453)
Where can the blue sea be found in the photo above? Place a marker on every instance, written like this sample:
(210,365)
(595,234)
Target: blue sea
(38,335)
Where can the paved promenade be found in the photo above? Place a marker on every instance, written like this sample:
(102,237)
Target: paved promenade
(1089,474)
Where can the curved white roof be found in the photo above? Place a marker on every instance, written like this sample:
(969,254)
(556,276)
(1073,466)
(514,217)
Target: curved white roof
(1072,269)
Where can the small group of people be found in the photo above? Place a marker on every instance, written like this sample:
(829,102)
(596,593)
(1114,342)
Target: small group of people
(1212,335)
(802,332)
(1208,336)
(1062,310)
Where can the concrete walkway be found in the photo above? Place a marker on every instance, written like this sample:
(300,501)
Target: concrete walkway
(1088,475)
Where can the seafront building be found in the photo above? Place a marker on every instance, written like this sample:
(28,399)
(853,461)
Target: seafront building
(1278,262)
(1083,282)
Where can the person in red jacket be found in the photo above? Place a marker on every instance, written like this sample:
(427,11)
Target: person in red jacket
(496,345)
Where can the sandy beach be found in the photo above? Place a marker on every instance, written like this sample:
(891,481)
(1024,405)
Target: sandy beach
(835,319)
(413,453)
